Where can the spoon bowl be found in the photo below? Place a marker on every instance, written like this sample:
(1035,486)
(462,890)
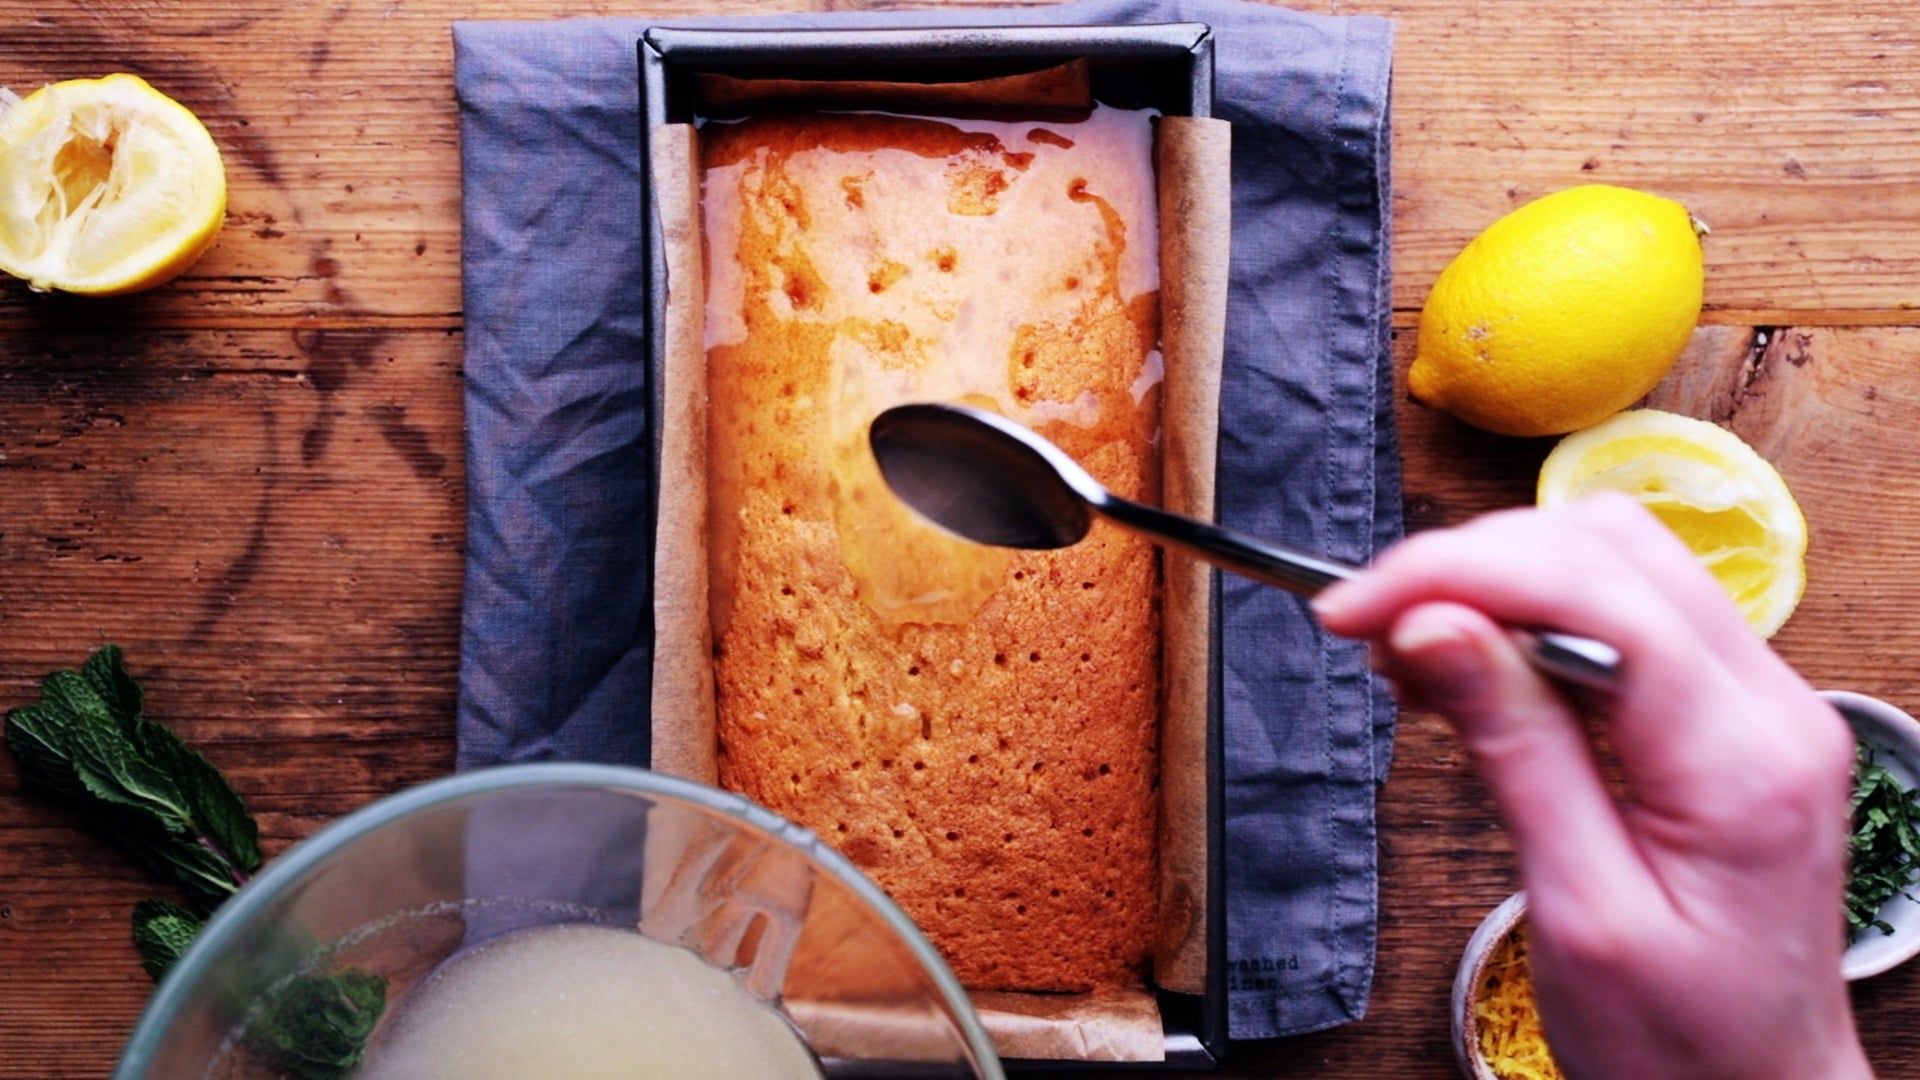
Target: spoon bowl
(937,458)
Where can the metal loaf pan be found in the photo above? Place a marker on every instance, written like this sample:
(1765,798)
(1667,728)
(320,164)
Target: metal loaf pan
(1168,67)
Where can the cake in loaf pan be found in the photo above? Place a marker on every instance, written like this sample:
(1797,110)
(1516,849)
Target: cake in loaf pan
(975,728)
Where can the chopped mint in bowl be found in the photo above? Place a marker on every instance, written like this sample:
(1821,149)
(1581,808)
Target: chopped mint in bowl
(1883,886)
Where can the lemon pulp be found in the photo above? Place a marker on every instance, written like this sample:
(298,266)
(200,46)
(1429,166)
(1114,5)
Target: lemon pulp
(1725,501)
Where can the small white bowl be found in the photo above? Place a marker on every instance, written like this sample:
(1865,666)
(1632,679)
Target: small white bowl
(1466,983)
(1894,737)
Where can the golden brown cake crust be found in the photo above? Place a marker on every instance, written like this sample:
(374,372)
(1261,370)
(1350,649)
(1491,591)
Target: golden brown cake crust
(974,728)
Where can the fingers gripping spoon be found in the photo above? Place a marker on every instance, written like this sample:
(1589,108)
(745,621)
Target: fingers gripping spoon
(990,480)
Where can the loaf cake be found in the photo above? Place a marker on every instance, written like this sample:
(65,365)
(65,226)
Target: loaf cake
(974,727)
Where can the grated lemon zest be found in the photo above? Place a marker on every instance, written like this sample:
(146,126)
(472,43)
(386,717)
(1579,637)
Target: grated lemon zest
(1511,1039)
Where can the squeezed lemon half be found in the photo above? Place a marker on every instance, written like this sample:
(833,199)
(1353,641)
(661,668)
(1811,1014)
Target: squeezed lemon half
(1717,493)
(106,186)
(1562,313)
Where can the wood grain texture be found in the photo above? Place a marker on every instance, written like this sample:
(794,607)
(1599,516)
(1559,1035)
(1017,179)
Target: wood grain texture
(253,478)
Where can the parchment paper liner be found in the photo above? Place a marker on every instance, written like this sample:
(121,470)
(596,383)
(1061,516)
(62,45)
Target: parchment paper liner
(1191,154)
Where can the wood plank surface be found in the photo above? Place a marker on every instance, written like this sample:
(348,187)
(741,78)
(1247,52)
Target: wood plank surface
(253,478)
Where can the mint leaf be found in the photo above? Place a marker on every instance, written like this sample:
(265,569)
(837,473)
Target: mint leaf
(70,692)
(162,931)
(105,671)
(214,811)
(114,771)
(33,736)
(317,1026)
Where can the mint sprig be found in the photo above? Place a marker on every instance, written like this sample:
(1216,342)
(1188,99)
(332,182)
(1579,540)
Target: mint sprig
(87,745)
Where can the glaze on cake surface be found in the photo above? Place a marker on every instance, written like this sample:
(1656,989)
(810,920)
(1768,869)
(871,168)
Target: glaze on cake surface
(974,727)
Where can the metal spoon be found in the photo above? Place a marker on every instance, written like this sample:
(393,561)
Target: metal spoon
(990,480)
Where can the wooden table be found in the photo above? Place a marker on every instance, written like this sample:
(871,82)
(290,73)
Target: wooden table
(252,478)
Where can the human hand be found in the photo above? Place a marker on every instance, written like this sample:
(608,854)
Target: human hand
(1689,924)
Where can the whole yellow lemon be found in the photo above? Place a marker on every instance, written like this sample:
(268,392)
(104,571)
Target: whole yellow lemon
(1562,313)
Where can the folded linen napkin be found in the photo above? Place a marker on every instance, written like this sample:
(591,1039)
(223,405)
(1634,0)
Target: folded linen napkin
(557,626)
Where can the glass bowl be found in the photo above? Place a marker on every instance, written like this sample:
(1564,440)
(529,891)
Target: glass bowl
(387,896)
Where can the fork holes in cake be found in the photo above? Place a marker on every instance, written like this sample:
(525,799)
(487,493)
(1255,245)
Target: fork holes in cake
(1033,657)
(951,835)
(919,766)
(1000,659)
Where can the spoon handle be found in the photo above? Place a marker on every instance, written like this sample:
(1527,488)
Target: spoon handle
(1248,556)
(1578,660)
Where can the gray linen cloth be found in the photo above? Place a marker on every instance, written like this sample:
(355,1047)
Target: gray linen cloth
(556,633)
